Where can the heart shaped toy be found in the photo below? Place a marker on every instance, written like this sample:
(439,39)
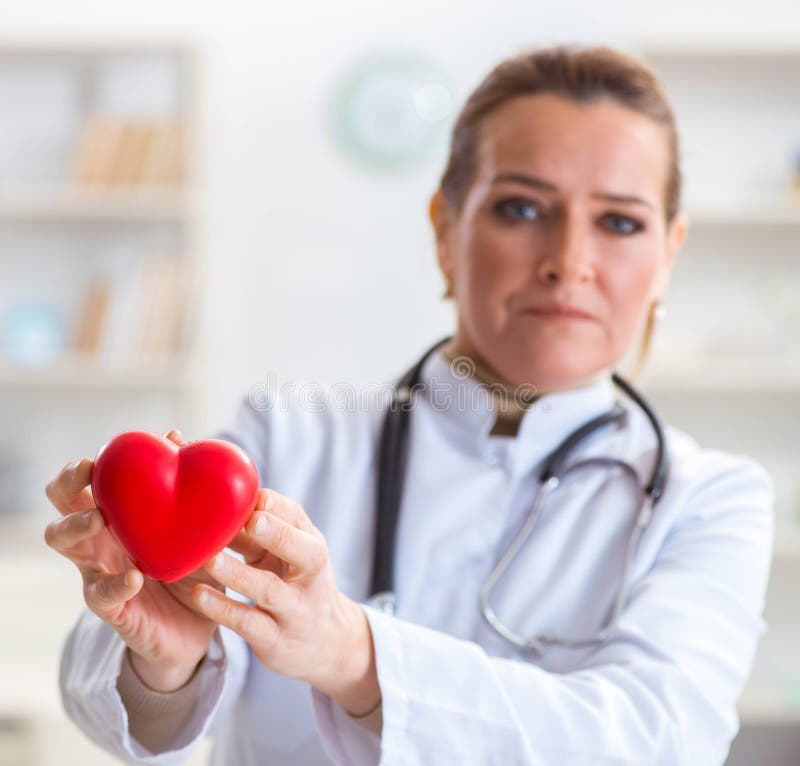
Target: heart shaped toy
(172,508)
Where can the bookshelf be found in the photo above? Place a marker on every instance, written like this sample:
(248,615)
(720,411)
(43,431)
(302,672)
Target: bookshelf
(730,333)
(101,234)
(101,246)
(59,203)
(43,591)
(77,370)
(726,360)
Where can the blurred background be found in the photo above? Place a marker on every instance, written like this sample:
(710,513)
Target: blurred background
(196,199)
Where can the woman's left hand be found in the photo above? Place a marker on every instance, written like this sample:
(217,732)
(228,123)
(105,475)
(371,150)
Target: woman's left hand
(301,625)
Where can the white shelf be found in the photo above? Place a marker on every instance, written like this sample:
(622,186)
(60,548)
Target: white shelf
(86,203)
(782,211)
(746,374)
(88,372)
(787,542)
(766,66)
(111,218)
(43,592)
(783,50)
(103,45)
(765,706)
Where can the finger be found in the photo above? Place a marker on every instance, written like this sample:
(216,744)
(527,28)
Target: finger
(248,547)
(243,543)
(174,435)
(63,534)
(105,593)
(252,624)
(264,588)
(289,510)
(69,490)
(307,552)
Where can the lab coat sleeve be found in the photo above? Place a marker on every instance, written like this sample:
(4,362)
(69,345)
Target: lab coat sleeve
(90,665)
(662,690)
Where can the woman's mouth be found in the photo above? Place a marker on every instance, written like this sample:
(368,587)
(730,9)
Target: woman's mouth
(558,312)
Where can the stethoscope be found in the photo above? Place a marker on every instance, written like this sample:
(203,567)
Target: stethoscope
(392,461)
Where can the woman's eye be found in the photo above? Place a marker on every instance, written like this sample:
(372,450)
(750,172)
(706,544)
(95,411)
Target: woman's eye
(517,209)
(622,224)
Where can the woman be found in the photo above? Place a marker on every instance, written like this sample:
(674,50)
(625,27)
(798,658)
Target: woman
(557,225)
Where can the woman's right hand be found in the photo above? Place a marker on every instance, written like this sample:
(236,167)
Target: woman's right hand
(166,636)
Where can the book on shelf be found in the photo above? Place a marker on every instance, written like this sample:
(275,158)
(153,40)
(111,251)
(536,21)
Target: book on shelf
(135,314)
(135,139)
(162,285)
(116,152)
(96,151)
(92,316)
(166,157)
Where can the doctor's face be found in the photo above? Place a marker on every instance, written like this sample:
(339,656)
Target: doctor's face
(566,207)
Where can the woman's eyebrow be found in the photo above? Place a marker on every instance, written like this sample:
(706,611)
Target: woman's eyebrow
(520,178)
(540,183)
(624,198)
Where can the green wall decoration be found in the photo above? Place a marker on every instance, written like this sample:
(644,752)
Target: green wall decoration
(390,109)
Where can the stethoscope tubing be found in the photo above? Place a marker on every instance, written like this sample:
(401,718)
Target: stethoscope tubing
(392,460)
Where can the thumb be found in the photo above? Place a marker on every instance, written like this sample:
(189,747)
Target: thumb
(175,436)
(107,594)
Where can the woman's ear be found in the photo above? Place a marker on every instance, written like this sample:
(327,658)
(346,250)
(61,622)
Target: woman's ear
(441,219)
(676,234)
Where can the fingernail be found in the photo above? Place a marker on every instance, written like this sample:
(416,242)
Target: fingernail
(261,524)
(86,517)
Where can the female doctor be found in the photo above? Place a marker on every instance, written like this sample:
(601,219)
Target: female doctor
(524,613)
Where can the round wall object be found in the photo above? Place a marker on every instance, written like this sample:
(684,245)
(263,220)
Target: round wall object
(32,335)
(390,109)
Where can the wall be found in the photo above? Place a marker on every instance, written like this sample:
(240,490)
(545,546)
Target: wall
(277,187)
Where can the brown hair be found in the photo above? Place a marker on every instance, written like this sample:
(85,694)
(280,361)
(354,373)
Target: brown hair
(582,74)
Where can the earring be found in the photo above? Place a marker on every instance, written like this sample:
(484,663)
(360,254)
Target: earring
(657,312)
(448,290)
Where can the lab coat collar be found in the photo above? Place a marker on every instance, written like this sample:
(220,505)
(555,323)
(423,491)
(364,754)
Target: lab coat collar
(466,403)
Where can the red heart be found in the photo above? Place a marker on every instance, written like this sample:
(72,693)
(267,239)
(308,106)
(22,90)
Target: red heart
(172,508)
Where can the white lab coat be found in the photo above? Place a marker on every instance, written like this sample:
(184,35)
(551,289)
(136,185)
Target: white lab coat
(661,690)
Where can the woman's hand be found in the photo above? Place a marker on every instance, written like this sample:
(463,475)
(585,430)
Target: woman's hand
(301,625)
(167,636)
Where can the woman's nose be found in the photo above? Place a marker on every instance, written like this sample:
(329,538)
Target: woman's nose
(568,256)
